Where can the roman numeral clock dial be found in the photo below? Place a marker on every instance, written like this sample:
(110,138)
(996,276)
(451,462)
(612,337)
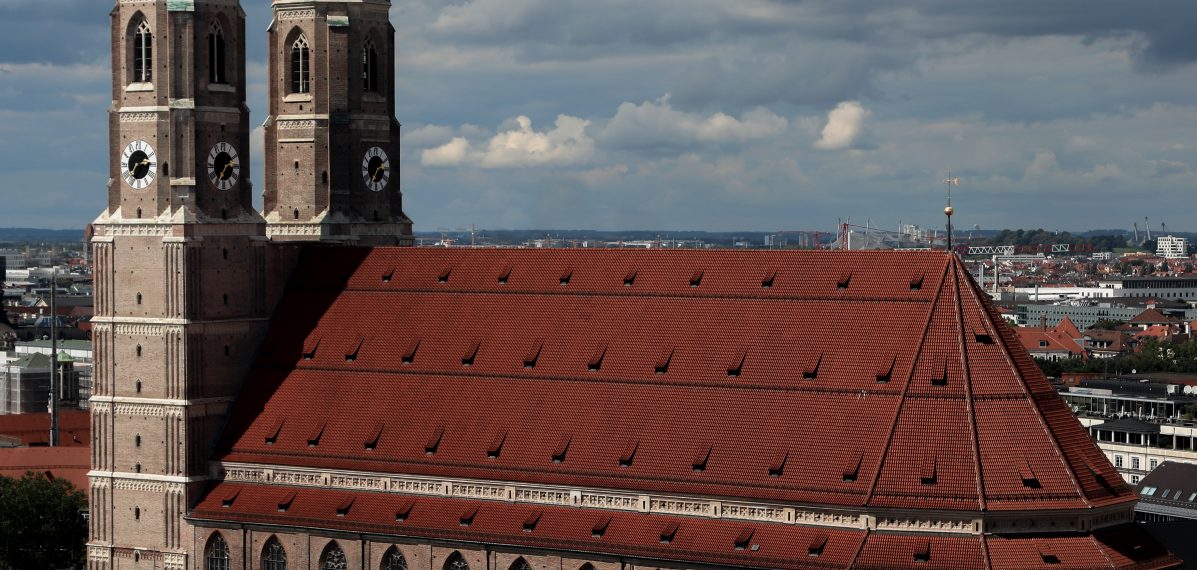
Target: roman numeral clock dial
(224,167)
(139,164)
(376,169)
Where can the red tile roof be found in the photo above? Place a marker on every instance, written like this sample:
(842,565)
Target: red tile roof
(873,391)
(70,463)
(74,428)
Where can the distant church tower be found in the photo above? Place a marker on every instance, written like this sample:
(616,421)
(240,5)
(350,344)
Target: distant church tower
(332,141)
(180,263)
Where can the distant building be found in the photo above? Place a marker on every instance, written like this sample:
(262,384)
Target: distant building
(1169,493)
(1172,247)
(1137,447)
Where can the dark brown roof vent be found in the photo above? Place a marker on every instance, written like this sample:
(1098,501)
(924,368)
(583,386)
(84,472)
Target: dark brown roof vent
(227,500)
(816,546)
(777,465)
(885,370)
(467,518)
(285,503)
(852,468)
(629,454)
(736,366)
(701,458)
(467,358)
(444,275)
(596,359)
(386,277)
(669,532)
(504,275)
(630,278)
(744,538)
(929,469)
(409,354)
(941,380)
(272,438)
(530,522)
(916,282)
(566,276)
(600,527)
(811,370)
(434,441)
(1048,555)
(372,438)
(496,445)
(922,553)
(1029,479)
(982,336)
(561,449)
(533,354)
(316,434)
(351,356)
(343,508)
(404,510)
(767,280)
(309,348)
(844,280)
(662,365)
(696,279)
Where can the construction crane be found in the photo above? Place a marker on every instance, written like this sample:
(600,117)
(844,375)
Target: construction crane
(1147,227)
(1164,227)
(472,230)
(1136,224)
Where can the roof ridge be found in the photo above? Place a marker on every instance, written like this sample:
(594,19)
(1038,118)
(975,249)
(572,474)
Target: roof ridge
(968,387)
(893,429)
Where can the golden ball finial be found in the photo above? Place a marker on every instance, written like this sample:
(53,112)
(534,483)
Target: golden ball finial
(949,211)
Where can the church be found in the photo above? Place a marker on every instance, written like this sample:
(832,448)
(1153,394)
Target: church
(298,388)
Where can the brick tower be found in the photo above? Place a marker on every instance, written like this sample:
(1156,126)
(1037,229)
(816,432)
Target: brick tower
(180,258)
(332,140)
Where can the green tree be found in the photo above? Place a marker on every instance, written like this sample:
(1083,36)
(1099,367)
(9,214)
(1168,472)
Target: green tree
(1107,324)
(41,523)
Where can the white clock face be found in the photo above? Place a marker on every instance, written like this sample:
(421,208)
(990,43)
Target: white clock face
(139,164)
(376,169)
(224,167)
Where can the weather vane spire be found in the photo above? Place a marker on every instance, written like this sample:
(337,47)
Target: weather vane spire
(948,210)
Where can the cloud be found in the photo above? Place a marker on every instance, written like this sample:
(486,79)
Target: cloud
(657,122)
(1163,168)
(844,125)
(1044,163)
(521,146)
(451,153)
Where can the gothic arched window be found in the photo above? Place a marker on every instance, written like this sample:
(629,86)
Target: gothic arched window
(456,562)
(587,566)
(393,560)
(333,557)
(216,69)
(300,65)
(369,66)
(143,53)
(520,564)
(274,557)
(216,555)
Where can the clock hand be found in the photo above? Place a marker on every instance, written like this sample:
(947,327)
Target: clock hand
(378,172)
(224,173)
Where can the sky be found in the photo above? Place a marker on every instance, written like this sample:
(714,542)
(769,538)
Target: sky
(717,115)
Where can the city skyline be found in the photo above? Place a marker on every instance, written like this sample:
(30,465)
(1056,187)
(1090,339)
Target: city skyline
(705,116)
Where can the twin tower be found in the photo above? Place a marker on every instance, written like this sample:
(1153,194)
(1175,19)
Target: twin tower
(187,271)
(180,127)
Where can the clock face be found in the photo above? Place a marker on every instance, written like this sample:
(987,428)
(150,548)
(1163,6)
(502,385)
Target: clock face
(376,169)
(139,164)
(224,168)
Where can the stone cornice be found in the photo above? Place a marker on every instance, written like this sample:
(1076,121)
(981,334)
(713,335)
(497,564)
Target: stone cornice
(896,520)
